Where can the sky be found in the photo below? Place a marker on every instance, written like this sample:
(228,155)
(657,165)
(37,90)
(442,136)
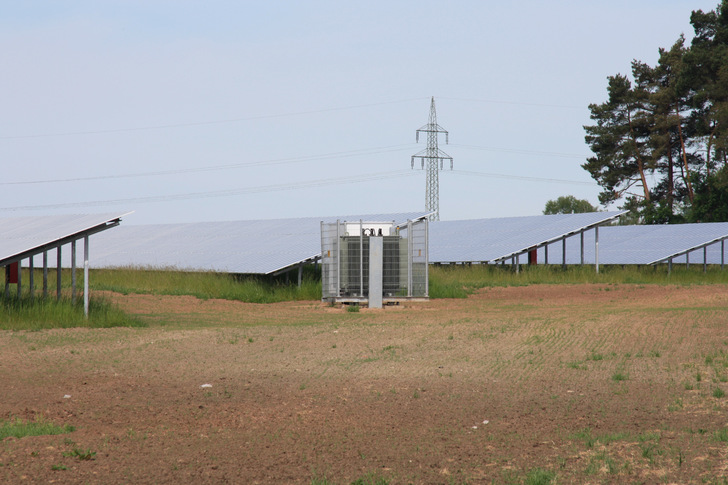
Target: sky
(190,111)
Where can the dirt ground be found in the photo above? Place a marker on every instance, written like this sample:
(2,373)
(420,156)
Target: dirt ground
(581,384)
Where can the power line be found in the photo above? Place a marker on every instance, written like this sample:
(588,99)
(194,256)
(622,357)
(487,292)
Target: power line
(521,177)
(203,123)
(522,151)
(278,188)
(517,103)
(278,161)
(220,193)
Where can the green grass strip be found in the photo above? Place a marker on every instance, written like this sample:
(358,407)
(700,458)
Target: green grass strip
(19,428)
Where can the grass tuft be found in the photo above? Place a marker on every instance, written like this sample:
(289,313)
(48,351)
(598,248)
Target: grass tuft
(722,435)
(20,428)
(539,476)
(619,376)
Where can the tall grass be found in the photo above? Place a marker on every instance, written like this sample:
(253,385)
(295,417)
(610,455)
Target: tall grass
(453,281)
(34,313)
(459,281)
(207,284)
(445,281)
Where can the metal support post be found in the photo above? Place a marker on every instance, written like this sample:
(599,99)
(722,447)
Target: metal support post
(376,271)
(361,258)
(73,271)
(45,274)
(596,247)
(31,282)
(85,276)
(427,258)
(58,273)
(410,250)
(338,259)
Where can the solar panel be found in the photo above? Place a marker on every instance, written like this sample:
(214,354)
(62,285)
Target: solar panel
(649,244)
(19,235)
(245,247)
(484,240)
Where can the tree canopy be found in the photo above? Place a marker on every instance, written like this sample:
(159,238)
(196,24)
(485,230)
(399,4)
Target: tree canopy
(660,140)
(568,204)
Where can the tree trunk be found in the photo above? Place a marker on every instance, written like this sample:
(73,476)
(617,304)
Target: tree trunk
(710,146)
(640,165)
(670,179)
(686,173)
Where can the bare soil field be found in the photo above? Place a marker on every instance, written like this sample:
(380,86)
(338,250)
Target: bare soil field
(577,384)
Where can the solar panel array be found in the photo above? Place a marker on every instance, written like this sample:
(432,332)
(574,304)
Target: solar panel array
(245,247)
(269,246)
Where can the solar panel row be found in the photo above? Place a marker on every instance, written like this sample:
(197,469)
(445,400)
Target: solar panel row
(269,246)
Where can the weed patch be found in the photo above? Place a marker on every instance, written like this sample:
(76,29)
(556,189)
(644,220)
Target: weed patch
(539,476)
(83,455)
(721,435)
(20,428)
(620,376)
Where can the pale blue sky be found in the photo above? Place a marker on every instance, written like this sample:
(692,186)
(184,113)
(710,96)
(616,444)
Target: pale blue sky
(222,110)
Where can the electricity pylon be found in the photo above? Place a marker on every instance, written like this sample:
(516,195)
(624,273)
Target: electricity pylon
(432,154)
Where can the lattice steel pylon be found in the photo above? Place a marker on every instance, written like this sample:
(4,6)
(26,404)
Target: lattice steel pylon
(432,154)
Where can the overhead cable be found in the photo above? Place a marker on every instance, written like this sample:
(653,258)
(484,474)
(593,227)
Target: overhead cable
(325,156)
(202,123)
(221,193)
(519,177)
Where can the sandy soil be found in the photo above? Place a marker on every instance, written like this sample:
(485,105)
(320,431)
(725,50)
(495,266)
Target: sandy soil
(588,384)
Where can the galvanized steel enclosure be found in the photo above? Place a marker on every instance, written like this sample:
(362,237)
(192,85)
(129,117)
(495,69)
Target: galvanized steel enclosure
(345,261)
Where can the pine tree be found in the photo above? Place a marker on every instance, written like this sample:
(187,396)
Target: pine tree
(660,141)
